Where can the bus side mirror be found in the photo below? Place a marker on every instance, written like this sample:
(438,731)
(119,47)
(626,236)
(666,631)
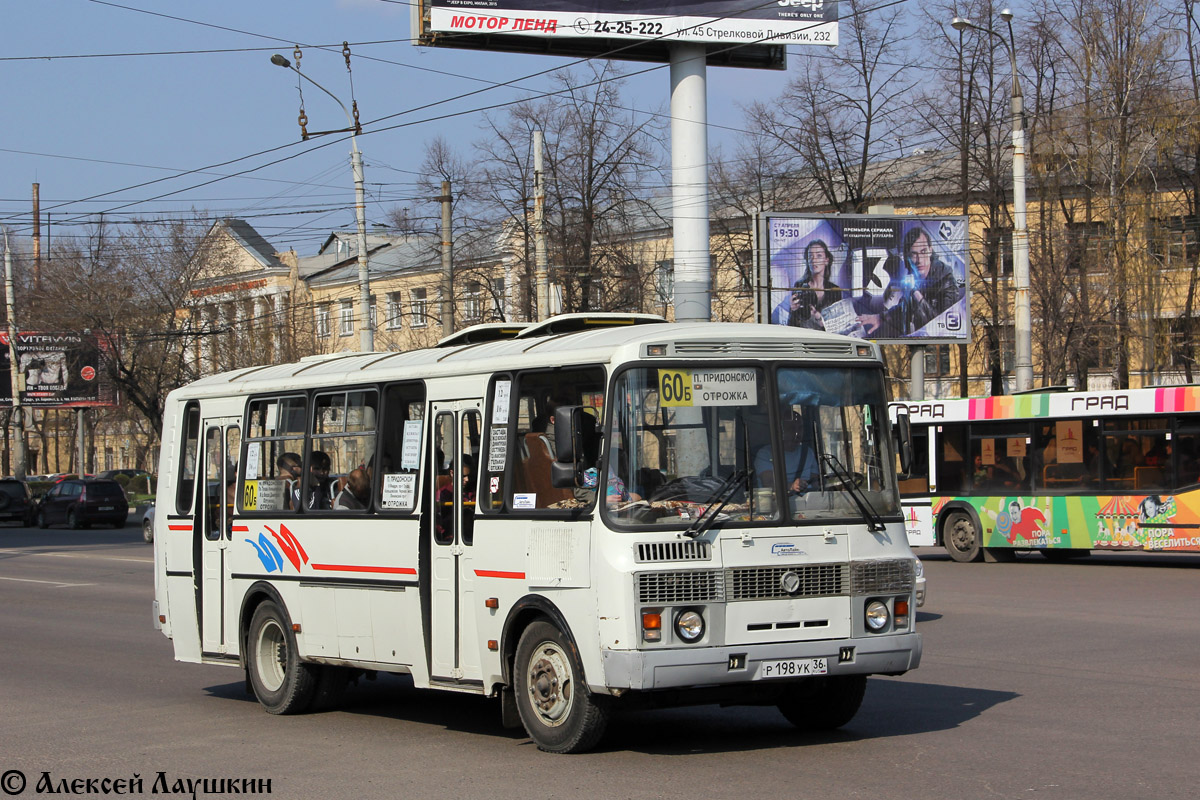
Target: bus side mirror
(902,436)
(576,445)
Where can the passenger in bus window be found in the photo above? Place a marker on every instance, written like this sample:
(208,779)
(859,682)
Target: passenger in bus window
(356,494)
(319,495)
(616,491)
(290,470)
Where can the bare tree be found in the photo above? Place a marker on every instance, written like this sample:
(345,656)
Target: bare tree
(845,109)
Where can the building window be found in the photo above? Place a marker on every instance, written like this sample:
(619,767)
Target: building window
(999,245)
(498,298)
(664,281)
(1175,240)
(322,321)
(1086,244)
(346,318)
(371,313)
(472,302)
(419,302)
(937,359)
(395,311)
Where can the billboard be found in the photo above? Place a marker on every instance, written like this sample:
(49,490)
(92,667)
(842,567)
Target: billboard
(57,370)
(896,280)
(743,32)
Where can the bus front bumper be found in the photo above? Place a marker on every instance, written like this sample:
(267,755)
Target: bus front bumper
(710,666)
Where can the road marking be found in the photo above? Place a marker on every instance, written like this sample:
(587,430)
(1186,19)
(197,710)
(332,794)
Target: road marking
(52,583)
(77,555)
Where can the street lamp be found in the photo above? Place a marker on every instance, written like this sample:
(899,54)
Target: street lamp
(1020,241)
(366,342)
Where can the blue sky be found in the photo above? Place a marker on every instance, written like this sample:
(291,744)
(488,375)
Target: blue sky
(90,130)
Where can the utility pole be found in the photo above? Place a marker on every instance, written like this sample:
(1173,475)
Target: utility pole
(37,236)
(14,366)
(539,230)
(447,263)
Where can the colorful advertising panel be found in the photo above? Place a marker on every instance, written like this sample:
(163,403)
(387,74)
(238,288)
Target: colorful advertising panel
(784,22)
(57,370)
(892,279)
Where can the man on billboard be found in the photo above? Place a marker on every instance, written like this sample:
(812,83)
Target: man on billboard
(922,288)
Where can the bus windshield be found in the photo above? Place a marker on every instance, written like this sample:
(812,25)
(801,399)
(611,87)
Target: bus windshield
(797,445)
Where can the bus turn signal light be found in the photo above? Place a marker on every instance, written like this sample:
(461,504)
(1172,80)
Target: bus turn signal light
(651,626)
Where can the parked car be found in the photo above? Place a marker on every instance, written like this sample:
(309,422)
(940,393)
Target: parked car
(82,503)
(16,501)
(113,473)
(148,523)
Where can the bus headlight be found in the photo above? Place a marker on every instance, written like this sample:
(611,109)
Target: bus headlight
(877,616)
(689,625)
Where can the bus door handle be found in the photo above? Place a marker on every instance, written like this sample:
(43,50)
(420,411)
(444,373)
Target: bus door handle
(457,549)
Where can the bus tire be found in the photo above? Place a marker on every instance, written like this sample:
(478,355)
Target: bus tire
(823,703)
(281,682)
(960,537)
(330,687)
(556,708)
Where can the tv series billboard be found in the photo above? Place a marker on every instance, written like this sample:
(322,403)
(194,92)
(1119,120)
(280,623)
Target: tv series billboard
(783,22)
(57,370)
(892,279)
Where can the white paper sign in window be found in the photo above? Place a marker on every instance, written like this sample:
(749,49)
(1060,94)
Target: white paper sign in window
(410,453)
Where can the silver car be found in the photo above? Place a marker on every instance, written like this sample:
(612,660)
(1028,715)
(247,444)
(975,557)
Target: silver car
(148,527)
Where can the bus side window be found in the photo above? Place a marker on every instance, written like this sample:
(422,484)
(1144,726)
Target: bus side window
(189,449)
(539,395)
(399,454)
(917,480)
(952,460)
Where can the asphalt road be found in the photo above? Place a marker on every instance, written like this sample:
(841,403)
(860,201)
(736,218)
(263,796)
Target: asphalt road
(1039,680)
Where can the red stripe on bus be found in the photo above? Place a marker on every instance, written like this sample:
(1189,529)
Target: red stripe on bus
(491,573)
(241,528)
(350,568)
(179,527)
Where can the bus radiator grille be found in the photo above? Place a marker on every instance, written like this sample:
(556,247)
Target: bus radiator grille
(648,552)
(766,583)
(893,575)
(691,586)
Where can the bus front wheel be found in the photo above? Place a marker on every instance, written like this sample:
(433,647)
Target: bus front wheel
(556,708)
(281,682)
(823,703)
(961,538)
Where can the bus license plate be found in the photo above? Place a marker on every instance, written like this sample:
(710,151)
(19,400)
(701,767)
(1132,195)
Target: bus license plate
(793,668)
(107,508)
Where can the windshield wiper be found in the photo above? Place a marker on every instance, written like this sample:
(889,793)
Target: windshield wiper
(723,495)
(874,523)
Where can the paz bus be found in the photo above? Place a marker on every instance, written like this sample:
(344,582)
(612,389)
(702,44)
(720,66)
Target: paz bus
(575,517)
(1062,473)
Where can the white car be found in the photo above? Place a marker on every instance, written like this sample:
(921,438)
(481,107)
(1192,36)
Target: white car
(920,581)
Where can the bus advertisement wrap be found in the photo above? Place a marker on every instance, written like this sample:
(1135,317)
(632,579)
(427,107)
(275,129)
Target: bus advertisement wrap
(709,21)
(892,279)
(57,370)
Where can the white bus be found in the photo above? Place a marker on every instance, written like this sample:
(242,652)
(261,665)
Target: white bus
(575,516)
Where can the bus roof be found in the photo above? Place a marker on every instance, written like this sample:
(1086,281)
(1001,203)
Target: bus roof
(601,344)
(1115,402)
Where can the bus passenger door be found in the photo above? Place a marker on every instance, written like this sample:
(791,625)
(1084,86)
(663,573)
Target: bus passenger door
(454,644)
(213,529)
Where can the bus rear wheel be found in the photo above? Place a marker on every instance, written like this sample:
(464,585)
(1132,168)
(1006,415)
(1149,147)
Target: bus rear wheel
(823,703)
(960,536)
(281,682)
(556,708)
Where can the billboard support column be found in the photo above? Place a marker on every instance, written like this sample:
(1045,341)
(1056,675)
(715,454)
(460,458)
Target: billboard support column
(916,371)
(689,182)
